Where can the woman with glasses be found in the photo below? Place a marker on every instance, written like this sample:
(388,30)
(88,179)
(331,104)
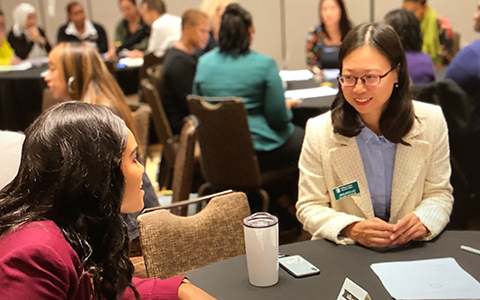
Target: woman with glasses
(375,169)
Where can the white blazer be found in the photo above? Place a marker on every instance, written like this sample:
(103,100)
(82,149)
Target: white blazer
(421,177)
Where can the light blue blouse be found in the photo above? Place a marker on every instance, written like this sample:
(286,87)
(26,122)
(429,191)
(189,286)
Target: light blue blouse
(378,157)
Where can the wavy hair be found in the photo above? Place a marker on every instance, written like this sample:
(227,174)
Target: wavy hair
(91,81)
(234,35)
(345,25)
(398,116)
(407,27)
(70,173)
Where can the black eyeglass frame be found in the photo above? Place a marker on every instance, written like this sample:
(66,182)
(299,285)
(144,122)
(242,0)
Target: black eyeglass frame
(340,78)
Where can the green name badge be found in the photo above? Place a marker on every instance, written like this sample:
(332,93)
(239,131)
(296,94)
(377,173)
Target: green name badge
(345,191)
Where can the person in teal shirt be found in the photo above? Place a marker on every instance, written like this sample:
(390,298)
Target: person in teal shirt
(233,69)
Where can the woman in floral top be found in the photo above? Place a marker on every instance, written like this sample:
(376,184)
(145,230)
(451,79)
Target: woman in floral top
(323,41)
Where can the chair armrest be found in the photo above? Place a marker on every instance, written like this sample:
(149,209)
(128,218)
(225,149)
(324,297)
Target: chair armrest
(187,202)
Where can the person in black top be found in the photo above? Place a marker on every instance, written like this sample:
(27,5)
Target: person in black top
(180,65)
(26,38)
(80,29)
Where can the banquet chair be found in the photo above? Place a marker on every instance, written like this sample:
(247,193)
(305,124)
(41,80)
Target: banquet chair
(164,133)
(141,115)
(174,245)
(148,61)
(184,164)
(48,100)
(228,159)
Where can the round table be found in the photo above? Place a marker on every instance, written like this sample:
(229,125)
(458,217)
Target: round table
(21,98)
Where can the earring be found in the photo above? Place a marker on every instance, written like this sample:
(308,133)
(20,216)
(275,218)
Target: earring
(69,84)
(396,85)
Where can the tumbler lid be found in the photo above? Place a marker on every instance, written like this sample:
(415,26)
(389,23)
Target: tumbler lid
(260,220)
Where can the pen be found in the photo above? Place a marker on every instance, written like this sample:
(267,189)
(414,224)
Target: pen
(470,249)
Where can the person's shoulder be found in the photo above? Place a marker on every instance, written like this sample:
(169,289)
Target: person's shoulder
(62,27)
(425,110)
(261,58)
(323,121)
(98,26)
(37,237)
(211,55)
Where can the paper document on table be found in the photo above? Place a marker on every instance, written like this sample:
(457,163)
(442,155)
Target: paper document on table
(24,65)
(432,279)
(131,62)
(296,75)
(311,93)
(331,74)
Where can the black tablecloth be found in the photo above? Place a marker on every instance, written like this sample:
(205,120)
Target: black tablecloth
(21,94)
(310,107)
(20,98)
(229,280)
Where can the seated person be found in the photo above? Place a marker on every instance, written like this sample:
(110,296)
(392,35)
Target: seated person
(375,169)
(131,32)
(233,69)
(61,233)
(465,70)
(323,41)
(437,40)
(26,38)
(420,65)
(165,28)
(214,10)
(7,55)
(81,29)
(179,67)
(68,79)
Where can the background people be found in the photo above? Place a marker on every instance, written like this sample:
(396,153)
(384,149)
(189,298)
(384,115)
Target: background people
(131,32)
(165,28)
(214,9)
(179,67)
(7,55)
(26,38)
(81,29)
(375,169)
(420,65)
(61,233)
(323,41)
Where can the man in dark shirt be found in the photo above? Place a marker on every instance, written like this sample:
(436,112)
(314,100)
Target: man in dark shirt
(179,67)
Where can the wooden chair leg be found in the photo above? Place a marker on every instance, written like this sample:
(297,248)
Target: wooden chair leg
(265,199)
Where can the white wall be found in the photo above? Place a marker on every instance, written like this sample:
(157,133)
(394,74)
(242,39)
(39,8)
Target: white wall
(299,16)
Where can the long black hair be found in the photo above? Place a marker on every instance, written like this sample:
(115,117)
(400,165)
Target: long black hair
(70,173)
(345,24)
(398,116)
(234,35)
(407,27)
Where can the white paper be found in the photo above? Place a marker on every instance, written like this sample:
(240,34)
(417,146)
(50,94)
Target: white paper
(331,74)
(24,65)
(311,93)
(131,62)
(440,278)
(296,75)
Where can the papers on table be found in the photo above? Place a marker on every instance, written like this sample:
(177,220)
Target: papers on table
(24,65)
(331,74)
(431,279)
(130,62)
(311,93)
(296,75)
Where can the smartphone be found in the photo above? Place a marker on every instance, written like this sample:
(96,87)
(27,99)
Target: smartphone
(298,266)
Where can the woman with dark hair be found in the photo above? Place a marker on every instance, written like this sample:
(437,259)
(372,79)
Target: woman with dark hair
(233,69)
(375,170)
(81,29)
(323,41)
(61,233)
(407,26)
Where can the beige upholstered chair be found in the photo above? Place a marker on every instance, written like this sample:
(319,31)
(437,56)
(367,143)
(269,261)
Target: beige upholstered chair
(142,119)
(174,245)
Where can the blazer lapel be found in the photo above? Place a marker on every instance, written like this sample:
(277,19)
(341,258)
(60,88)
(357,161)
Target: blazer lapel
(409,162)
(347,164)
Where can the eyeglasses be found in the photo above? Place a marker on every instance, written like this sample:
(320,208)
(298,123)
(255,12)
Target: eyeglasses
(368,80)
